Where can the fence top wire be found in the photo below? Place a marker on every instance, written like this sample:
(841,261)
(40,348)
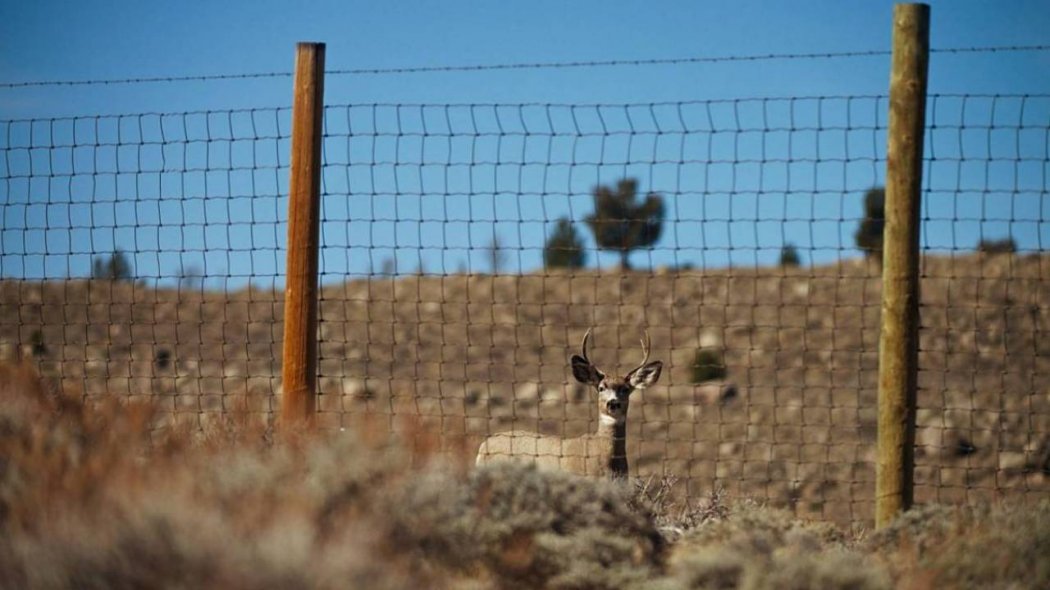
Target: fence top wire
(577,106)
(522,66)
(252,111)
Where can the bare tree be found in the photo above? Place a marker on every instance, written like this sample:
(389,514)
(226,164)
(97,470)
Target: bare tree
(191,277)
(497,256)
(115,267)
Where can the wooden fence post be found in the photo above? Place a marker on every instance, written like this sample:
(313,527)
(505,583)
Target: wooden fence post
(299,361)
(898,343)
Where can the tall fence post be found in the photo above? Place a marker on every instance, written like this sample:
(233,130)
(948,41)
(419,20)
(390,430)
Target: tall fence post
(898,343)
(299,361)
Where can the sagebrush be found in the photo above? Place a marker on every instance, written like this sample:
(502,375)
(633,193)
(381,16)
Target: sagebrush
(100,497)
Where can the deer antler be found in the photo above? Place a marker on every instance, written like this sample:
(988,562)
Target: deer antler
(646,343)
(586,337)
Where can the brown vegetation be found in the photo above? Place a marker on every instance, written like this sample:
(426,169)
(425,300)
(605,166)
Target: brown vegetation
(472,355)
(96,498)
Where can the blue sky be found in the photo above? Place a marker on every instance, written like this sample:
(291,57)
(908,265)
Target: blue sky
(745,155)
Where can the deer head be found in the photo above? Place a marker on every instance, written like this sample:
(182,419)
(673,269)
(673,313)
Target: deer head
(614,393)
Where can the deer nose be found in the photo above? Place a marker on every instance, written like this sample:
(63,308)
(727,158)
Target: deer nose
(614,405)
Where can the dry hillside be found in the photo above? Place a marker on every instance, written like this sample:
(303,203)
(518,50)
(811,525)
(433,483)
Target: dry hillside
(477,354)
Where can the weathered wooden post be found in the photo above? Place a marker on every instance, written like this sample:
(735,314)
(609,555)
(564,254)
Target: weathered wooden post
(299,361)
(898,343)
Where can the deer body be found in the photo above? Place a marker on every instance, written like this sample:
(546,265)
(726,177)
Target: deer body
(602,453)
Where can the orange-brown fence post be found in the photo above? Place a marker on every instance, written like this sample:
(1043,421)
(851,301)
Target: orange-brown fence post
(898,341)
(299,360)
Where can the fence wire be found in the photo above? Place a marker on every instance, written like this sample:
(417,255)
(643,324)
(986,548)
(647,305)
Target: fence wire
(141,252)
(710,59)
(143,257)
(984,377)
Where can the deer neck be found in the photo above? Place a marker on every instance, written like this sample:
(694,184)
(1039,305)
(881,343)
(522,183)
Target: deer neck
(613,439)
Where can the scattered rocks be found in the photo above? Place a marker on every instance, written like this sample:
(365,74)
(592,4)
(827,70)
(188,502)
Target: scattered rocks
(715,392)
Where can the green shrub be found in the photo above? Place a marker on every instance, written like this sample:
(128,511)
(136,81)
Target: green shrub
(708,366)
(868,236)
(162,358)
(37,344)
(1003,246)
(564,248)
(789,256)
(115,267)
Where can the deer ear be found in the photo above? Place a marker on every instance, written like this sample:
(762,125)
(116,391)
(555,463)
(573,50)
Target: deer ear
(645,375)
(585,372)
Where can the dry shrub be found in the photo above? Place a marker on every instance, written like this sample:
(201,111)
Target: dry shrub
(672,512)
(970,547)
(756,547)
(754,524)
(524,527)
(94,497)
(55,450)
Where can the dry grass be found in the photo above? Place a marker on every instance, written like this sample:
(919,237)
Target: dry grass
(96,497)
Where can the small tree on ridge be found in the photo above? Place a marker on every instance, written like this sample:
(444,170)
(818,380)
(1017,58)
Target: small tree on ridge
(1001,246)
(789,256)
(622,224)
(114,267)
(564,248)
(869,233)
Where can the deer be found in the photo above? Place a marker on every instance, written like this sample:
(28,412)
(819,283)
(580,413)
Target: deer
(600,454)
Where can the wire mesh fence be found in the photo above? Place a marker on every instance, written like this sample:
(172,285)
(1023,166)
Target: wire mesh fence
(143,258)
(984,392)
(477,337)
(140,253)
